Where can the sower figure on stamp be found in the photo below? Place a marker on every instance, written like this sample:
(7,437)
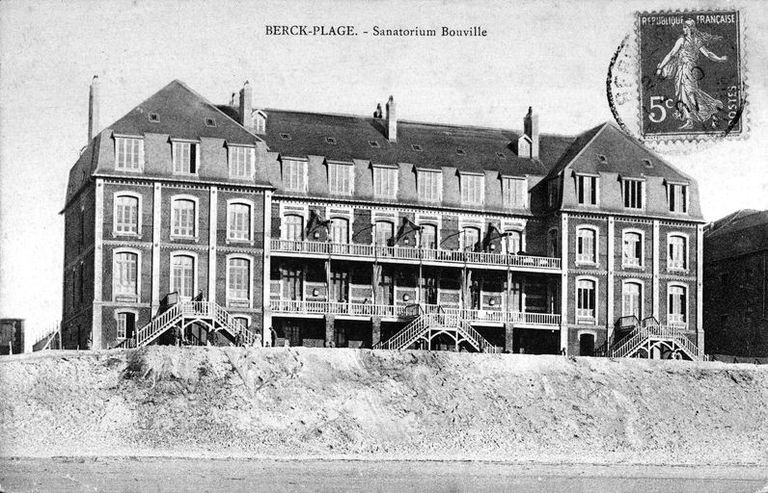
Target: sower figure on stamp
(680,64)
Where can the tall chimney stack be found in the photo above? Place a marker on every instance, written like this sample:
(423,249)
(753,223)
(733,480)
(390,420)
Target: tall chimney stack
(391,120)
(531,129)
(93,108)
(246,106)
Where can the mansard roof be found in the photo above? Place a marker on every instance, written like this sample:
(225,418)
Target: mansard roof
(472,149)
(740,233)
(607,149)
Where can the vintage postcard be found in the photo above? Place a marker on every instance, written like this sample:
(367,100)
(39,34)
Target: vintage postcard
(431,245)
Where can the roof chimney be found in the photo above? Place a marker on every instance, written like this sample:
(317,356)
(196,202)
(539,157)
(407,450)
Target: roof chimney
(93,108)
(531,131)
(246,106)
(391,120)
(377,113)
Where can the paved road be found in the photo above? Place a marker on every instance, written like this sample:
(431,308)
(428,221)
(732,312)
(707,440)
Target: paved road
(200,475)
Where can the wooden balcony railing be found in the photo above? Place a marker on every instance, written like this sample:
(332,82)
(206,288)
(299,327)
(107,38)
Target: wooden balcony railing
(411,253)
(389,311)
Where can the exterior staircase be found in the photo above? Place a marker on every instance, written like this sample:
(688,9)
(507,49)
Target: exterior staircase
(185,313)
(649,335)
(425,326)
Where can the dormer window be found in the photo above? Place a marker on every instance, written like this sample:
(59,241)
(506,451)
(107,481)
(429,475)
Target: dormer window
(501,155)
(515,192)
(374,144)
(294,175)
(633,193)
(648,163)
(185,157)
(154,117)
(430,185)
(340,178)
(241,161)
(677,197)
(460,151)
(331,140)
(586,189)
(472,189)
(385,182)
(416,147)
(285,136)
(602,158)
(129,153)
(210,122)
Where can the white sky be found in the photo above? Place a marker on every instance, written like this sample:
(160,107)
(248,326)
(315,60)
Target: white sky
(551,55)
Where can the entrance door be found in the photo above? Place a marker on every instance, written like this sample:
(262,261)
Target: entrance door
(292,286)
(587,345)
(387,290)
(130,325)
(339,285)
(429,289)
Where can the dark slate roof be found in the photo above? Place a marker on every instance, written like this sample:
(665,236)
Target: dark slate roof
(623,155)
(742,232)
(182,113)
(440,144)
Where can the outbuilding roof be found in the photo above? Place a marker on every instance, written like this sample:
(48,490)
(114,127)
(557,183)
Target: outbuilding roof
(740,233)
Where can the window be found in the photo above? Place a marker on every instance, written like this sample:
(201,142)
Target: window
(339,285)
(185,157)
(586,189)
(553,193)
(385,182)
(126,324)
(340,178)
(339,230)
(430,185)
(515,192)
(633,193)
(331,140)
(129,154)
(243,321)
(586,246)
(472,189)
(183,275)
(514,243)
(677,258)
(585,300)
(239,222)
(552,243)
(384,233)
(241,161)
(184,218)
(429,237)
(126,220)
(295,175)
(676,308)
(293,228)
(632,251)
(239,279)
(677,196)
(416,147)
(126,275)
(470,238)
(631,299)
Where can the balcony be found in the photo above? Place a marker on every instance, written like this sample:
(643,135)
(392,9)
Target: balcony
(415,255)
(366,310)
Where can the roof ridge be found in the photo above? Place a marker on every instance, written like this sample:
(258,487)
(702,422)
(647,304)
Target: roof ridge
(413,122)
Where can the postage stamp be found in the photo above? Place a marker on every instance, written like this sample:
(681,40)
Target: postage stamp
(690,73)
(678,81)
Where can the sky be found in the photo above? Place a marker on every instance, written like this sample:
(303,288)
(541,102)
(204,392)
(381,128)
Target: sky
(552,55)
